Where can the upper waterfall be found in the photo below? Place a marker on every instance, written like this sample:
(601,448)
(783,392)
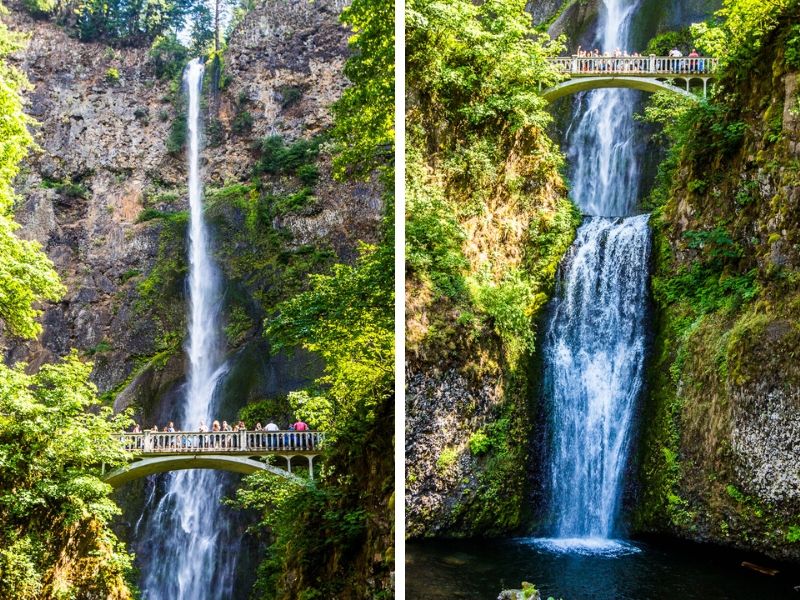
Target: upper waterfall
(204,301)
(191,552)
(601,146)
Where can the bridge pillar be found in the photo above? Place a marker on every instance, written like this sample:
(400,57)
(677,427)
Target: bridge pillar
(652,63)
(705,87)
(310,467)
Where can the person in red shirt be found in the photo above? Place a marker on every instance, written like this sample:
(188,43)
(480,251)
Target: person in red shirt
(693,63)
(302,440)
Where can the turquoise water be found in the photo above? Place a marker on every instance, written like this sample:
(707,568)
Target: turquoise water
(477,570)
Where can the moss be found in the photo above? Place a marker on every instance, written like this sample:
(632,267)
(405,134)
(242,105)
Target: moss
(176,141)
(447,458)
(726,316)
(67,188)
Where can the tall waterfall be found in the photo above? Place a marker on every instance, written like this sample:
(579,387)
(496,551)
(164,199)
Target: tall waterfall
(594,346)
(187,551)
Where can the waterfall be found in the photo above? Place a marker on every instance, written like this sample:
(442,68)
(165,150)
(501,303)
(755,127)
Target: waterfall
(186,549)
(594,347)
(594,352)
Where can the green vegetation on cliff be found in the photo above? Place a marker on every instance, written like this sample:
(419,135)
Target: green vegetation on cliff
(55,539)
(333,537)
(487,224)
(54,508)
(128,23)
(26,274)
(727,288)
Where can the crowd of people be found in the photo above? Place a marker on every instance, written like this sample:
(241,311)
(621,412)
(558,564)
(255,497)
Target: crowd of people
(636,62)
(221,435)
(298,425)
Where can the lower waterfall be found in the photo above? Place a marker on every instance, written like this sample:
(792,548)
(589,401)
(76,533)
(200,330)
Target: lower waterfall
(594,355)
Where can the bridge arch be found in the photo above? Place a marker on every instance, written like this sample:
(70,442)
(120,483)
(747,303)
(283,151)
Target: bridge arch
(646,73)
(582,84)
(161,464)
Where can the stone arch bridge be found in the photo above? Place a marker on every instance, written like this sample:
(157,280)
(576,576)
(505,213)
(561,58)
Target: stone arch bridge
(235,451)
(647,73)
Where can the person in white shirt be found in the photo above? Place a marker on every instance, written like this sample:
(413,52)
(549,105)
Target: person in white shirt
(271,439)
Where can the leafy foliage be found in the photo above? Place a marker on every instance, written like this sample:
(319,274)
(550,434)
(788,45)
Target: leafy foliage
(664,42)
(736,33)
(478,66)
(51,449)
(277,157)
(26,274)
(346,318)
(363,128)
(169,56)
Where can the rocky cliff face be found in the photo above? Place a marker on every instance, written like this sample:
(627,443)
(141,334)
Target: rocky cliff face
(106,167)
(722,433)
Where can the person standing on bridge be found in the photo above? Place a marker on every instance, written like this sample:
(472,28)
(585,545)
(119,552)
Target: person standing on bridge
(693,63)
(202,429)
(271,426)
(303,428)
(215,428)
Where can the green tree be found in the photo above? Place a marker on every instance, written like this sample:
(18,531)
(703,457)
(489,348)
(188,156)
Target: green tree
(55,541)
(363,128)
(26,274)
(54,508)
(347,318)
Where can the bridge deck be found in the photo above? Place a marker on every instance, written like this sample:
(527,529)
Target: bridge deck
(246,443)
(637,66)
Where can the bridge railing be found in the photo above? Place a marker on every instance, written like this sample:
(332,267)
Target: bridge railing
(702,66)
(222,441)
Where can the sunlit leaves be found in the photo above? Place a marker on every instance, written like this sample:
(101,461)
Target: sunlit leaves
(53,441)
(26,274)
(348,319)
(363,128)
(479,64)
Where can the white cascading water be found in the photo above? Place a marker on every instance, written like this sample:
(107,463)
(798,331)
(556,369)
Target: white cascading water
(186,551)
(594,347)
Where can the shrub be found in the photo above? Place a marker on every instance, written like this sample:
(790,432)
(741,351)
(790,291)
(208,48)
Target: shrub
(479,443)
(793,535)
(67,188)
(177,135)
(112,75)
(446,459)
(277,157)
(168,56)
(308,174)
(289,95)
(242,123)
(130,274)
